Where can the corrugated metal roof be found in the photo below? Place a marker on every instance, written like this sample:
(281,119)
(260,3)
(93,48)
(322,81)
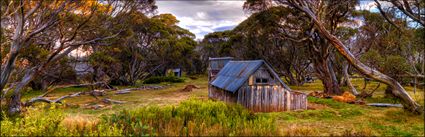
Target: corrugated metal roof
(235,73)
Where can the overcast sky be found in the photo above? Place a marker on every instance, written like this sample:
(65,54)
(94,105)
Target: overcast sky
(203,17)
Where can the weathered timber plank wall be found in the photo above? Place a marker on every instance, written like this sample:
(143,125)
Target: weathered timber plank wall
(263,98)
(219,94)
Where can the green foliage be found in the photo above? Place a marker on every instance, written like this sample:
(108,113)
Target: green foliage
(35,54)
(42,121)
(395,65)
(372,58)
(159,79)
(150,46)
(193,118)
(392,65)
(101,59)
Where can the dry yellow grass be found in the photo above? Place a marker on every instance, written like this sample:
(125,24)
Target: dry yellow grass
(79,122)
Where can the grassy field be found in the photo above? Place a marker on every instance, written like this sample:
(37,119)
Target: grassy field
(172,112)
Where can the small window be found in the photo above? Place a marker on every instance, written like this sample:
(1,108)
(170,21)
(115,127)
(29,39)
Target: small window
(261,81)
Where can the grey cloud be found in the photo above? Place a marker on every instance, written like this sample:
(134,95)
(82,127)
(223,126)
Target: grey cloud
(202,17)
(224,28)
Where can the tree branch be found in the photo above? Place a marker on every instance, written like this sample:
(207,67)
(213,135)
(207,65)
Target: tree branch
(29,13)
(378,5)
(413,17)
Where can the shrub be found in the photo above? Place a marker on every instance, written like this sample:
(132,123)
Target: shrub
(39,121)
(159,79)
(193,118)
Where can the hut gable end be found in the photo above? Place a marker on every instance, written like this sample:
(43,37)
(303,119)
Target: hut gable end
(262,77)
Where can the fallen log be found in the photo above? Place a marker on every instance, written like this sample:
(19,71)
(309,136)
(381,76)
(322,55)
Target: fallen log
(58,100)
(97,93)
(105,85)
(385,105)
(110,101)
(124,91)
(128,90)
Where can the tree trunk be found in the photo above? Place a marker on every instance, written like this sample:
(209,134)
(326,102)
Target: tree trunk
(325,74)
(15,104)
(423,62)
(335,85)
(39,84)
(7,69)
(292,80)
(343,82)
(14,50)
(398,90)
(348,80)
(389,92)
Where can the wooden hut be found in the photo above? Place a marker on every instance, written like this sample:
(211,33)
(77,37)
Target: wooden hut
(253,84)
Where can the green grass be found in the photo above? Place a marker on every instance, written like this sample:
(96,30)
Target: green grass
(193,117)
(333,118)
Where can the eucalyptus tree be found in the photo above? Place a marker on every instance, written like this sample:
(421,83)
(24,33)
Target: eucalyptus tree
(390,43)
(320,14)
(321,51)
(215,44)
(151,45)
(63,26)
(175,47)
(262,36)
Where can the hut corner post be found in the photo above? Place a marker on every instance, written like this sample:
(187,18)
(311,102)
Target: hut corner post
(214,66)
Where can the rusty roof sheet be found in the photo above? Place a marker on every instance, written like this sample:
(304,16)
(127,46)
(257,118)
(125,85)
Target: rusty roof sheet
(235,73)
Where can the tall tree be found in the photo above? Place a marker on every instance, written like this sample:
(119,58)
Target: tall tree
(262,36)
(152,45)
(324,57)
(67,25)
(316,11)
(312,9)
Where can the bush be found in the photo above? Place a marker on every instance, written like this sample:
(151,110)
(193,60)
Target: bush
(39,121)
(159,79)
(193,118)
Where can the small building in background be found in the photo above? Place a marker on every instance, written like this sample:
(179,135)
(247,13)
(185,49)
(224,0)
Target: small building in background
(174,72)
(253,84)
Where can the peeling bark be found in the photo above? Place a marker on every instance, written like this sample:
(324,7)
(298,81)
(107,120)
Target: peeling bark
(324,71)
(15,104)
(348,80)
